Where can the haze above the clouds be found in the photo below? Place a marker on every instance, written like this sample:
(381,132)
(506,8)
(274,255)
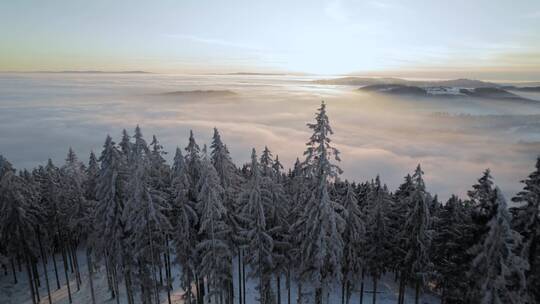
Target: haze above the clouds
(443,39)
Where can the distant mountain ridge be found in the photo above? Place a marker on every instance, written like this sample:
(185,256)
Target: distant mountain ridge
(201,93)
(434,88)
(443,91)
(92,72)
(365,81)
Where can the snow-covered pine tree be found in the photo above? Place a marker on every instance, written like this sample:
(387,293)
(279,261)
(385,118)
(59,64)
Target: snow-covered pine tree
(417,236)
(184,220)
(92,175)
(502,271)
(160,181)
(18,219)
(256,202)
(213,248)
(297,192)
(278,167)
(451,261)
(378,255)
(225,168)
(126,145)
(354,237)
(526,220)
(320,225)
(194,167)
(193,163)
(401,206)
(160,172)
(144,214)
(110,234)
(90,188)
(230,182)
(277,217)
(74,204)
(482,199)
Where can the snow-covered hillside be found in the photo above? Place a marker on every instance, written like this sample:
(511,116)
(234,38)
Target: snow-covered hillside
(11,293)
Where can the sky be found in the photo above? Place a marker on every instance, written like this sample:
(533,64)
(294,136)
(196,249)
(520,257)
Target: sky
(488,39)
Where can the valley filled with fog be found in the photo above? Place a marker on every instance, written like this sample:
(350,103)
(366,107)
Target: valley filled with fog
(454,139)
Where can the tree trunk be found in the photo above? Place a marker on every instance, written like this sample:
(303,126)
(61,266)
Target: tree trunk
(166,259)
(188,289)
(109,276)
(243,278)
(404,289)
(76,261)
(160,266)
(55,269)
(288,286)
(443,294)
(44,259)
(239,276)
(299,297)
(14,272)
(64,258)
(129,285)
(90,276)
(30,280)
(167,275)
(153,261)
(197,290)
(278,283)
(417,293)
(342,291)
(36,273)
(70,257)
(36,278)
(348,292)
(115,284)
(374,289)
(361,297)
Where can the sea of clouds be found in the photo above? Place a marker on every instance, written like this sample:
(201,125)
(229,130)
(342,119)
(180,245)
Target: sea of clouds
(42,115)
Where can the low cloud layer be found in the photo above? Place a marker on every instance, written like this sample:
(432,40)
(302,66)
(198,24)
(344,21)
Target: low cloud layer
(454,140)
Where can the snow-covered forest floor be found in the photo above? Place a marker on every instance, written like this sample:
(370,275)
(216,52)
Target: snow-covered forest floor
(11,293)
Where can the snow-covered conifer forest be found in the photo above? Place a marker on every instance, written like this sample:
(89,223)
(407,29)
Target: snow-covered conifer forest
(128,227)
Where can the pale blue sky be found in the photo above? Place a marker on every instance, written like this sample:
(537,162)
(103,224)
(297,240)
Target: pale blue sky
(324,37)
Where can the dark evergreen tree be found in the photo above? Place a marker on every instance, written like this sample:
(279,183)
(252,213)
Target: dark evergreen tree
(526,220)
(320,225)
(501,272)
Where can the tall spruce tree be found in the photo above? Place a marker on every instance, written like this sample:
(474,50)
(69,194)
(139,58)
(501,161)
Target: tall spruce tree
(110,235)
(320,225)
(18,220)
(213,248)
(379,233)
(526,220)
(417,236)
(454,233)
(354,237)
(502,271)
(256,203)
(184,219)
(145,218)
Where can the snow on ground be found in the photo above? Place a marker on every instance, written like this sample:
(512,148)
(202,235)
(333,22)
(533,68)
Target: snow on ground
(11,293)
